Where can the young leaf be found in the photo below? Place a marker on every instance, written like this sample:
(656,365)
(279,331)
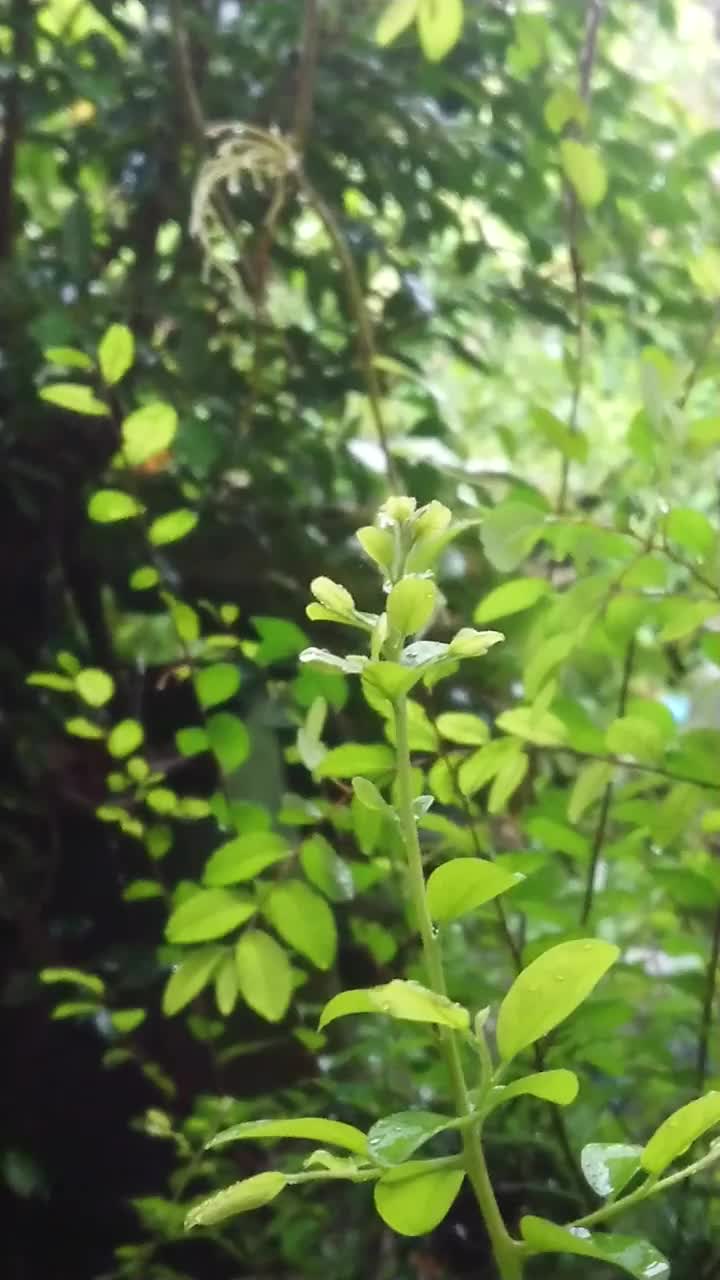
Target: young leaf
(679,1131)
(94,686)
(440,24)
(251,1193)
(469,643)
(311,1128)
(462,885)
(74,396)
(368,794)
(511,597)
(392,22)
(229,740)
(414,1198)
(409,1001)
(356,758)
(89,981)
(585,171)
(542,728)
(333,597)
(208,914)
(410,604)
(216,684)
(172,527)
(548,991)
(589,785)
(226,985)
(462,727)
(188,979)
(637,1257)
(244,858)
(107,506)
(304,920)
(125,738)
(507,780)
(148,431)
(395,1138)
(264,974)
(558,1086)
(116,353)
(609,1166)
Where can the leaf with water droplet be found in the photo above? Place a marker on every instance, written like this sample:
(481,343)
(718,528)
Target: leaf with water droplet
(548,991)
(409,1001)
(459,886)
(559,1086)
(679,1131)
(609,1166)
(637,1257)
(395,1138)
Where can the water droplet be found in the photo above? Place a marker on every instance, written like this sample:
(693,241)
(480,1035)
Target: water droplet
(559,977)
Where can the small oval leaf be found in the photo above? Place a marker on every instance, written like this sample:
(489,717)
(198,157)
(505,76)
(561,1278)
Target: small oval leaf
(462,885)
(312,1128)
(251,1193)
(679,1131)
(414,1198)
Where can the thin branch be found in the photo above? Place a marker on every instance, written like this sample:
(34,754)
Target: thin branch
(595,12)
(307,68)
(602,822)
(703,1053)
(13,125)
(365,335)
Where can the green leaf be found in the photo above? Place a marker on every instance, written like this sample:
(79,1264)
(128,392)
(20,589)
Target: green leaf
(462,727)
(323,868)
(462,885)
(264,973)
(79,727)
(585,171)
(77,398)
(116,353)
(389,678)
(304,920)
(563,106)
(125,738)
(408,1001)
(679,1131)
(192,742)
(509,534)
(368,794)
(216,684)
(311,1128)
(88,981)
(511,597)
(691,530)
(50,680)
(549,990)
(126,1020)
(226,985)
(378,544)
(149,431)
(392,22)
(188,979)
(507,780)
(414,1198)
(540,727)
(107,506)
(609,1166)
(704,271)
(94,686)
(684,618)
(395,1138)
(483,764)
(558,1086)
(144,579)
(334,598)
(208,914)
(70,357)
(468,643)
(229,740)
(440,24)
(589,785)
(637,1257)
(356,758)
(251,1193)
(172,527)
(635,736)
(279,639)
(411,604)
(142,891)
(244,858)
(75,1009)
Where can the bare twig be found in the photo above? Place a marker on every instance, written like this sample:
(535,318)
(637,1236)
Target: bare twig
(595,11)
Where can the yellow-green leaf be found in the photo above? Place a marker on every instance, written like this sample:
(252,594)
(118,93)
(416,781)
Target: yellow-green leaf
(679,1131)
(414,1198)
(251,1193)
(585,171)
(549,990)
(440,24)
(462,885)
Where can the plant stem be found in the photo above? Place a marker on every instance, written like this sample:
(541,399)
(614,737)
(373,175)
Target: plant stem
(507,1256)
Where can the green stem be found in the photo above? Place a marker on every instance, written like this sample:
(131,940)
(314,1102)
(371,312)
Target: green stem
(651,1187)
(507,1253)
